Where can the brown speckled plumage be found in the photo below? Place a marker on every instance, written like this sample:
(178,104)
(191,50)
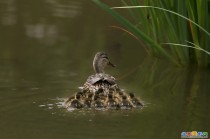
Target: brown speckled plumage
(101,90)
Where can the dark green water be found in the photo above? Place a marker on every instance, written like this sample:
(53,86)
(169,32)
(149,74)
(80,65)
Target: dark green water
(46,52)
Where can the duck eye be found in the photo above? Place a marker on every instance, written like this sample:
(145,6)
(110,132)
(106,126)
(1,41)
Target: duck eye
(105,56)
(105,60)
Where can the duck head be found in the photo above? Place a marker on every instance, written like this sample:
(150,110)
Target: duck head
(100,61)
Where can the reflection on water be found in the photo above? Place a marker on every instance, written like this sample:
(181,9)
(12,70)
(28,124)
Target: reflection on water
(41,31)
(8,17)
(70,9)
(46,52)
(177,97)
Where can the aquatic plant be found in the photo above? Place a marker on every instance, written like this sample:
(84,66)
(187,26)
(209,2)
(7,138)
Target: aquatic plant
(176,29)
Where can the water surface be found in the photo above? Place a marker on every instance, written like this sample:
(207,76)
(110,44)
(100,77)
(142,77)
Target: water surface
(46,52)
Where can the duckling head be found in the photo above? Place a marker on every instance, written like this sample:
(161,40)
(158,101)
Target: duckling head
(96,97)
(131,95)
(77,96)
(120,93)
(100,90)
(90,95)
(110,96)
(124,97)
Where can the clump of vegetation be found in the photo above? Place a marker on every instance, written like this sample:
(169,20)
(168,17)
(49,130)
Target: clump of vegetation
(176,29)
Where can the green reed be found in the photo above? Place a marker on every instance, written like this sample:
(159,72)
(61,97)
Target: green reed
(176,29)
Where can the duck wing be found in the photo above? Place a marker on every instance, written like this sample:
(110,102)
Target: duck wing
(101,77)
(93,79)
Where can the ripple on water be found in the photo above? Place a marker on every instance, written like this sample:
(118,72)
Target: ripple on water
(56,107)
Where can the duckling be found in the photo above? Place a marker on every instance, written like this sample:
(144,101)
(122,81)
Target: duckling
(69,99)
(87,103)
(102,97)
(117,99)
(120,94)
(111,103)
(111,92)
(97,103)
(88,100)
(134,100)
(99,91)
(125,103)
(90,95)
(81,93)
(75,103)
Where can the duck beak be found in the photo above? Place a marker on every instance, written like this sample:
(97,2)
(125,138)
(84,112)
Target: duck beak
(110,64)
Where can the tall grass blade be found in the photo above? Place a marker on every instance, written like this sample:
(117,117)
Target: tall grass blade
(197,48)
(166,11)
(172,21)
(150,42)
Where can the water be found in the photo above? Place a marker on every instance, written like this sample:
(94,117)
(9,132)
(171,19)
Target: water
(46,52)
